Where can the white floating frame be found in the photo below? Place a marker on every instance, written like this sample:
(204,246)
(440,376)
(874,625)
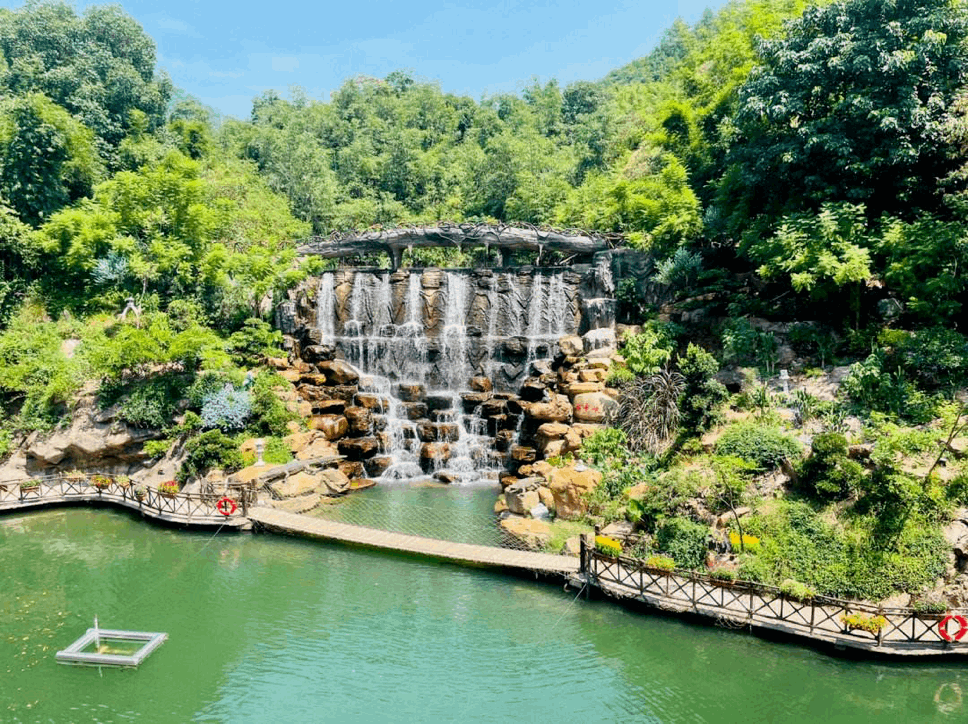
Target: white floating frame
(74,654)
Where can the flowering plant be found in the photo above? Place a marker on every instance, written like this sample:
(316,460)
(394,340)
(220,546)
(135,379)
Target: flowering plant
(169,488)
(101,481)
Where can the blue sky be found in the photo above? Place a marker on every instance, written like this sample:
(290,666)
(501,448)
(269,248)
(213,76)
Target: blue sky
(226,54)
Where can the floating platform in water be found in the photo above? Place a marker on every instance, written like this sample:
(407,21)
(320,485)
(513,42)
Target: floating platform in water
(110,648)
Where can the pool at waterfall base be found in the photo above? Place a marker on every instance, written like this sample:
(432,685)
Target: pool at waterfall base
(265,628)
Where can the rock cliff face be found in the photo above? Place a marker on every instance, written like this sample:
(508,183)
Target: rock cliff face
(95,441)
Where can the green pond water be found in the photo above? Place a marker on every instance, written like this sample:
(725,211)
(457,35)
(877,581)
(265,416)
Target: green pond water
(274,629)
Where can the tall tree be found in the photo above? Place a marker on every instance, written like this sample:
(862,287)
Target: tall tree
(851,106)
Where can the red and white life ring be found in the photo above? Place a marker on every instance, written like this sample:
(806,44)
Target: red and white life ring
(959,634)
(226,506)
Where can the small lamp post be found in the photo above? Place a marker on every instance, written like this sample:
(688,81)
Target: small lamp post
(785,381)
(260,448)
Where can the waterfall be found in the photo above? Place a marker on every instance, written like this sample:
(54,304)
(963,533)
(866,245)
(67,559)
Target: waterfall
(430,331)
(326,307)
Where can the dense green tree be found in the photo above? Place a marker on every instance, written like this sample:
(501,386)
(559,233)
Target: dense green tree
(47,158)
(99,66)
(850,106)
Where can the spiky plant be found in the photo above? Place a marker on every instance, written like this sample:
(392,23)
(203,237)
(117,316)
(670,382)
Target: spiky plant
(649,410)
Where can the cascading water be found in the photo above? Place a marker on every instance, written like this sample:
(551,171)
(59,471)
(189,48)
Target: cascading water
(408,333)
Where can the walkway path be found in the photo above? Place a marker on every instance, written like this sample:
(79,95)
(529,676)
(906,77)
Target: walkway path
(373,538)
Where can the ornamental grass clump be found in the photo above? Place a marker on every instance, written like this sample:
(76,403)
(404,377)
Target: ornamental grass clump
(607,546)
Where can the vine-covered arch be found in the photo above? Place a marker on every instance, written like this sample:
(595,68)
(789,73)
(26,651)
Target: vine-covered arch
(506,239)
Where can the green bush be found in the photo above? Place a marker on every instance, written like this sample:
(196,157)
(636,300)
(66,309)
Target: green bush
(829,474)
(685,541)
(647,352)
(603,446)
(157,448)
(847,561)
(723,574)
(269,415)
(762,445)
(879,384)
(144,403)
(796,590)
(212,449)
(256,340)
(703,395)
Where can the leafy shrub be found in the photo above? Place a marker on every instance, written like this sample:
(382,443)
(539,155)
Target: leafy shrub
(703,395)
(662,563)
(227,409)
(212,449)
(750,543)
(744,344)
(208,383)
(254,342)
(828,473)
(666,495)
(929,604)
(604,445)
(645,353)
(848,561)
(146,403)
(269,416)
(157,448)
(763,445)
(723,574)
(607,546)
(877,384)
(684,541)
(276,452)
(618,375)
(936,358)
(796,590)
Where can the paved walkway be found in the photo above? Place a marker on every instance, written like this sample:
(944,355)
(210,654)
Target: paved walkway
(373,538)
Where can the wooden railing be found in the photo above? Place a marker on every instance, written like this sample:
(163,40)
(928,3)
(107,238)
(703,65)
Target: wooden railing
(900,630)
(179,507)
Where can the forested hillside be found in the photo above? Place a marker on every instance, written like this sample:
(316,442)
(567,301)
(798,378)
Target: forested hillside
(802,164)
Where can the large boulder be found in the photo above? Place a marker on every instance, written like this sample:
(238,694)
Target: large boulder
(358,448)
(571,346)
(333,481)
(594,407)
(360,420)
(332,427)
(531,533)
(295,485)
(523,495)
(570,487)
(558,409)
(338,372)
(95,439)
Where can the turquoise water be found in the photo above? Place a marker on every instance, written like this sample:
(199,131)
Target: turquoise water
(275,629)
